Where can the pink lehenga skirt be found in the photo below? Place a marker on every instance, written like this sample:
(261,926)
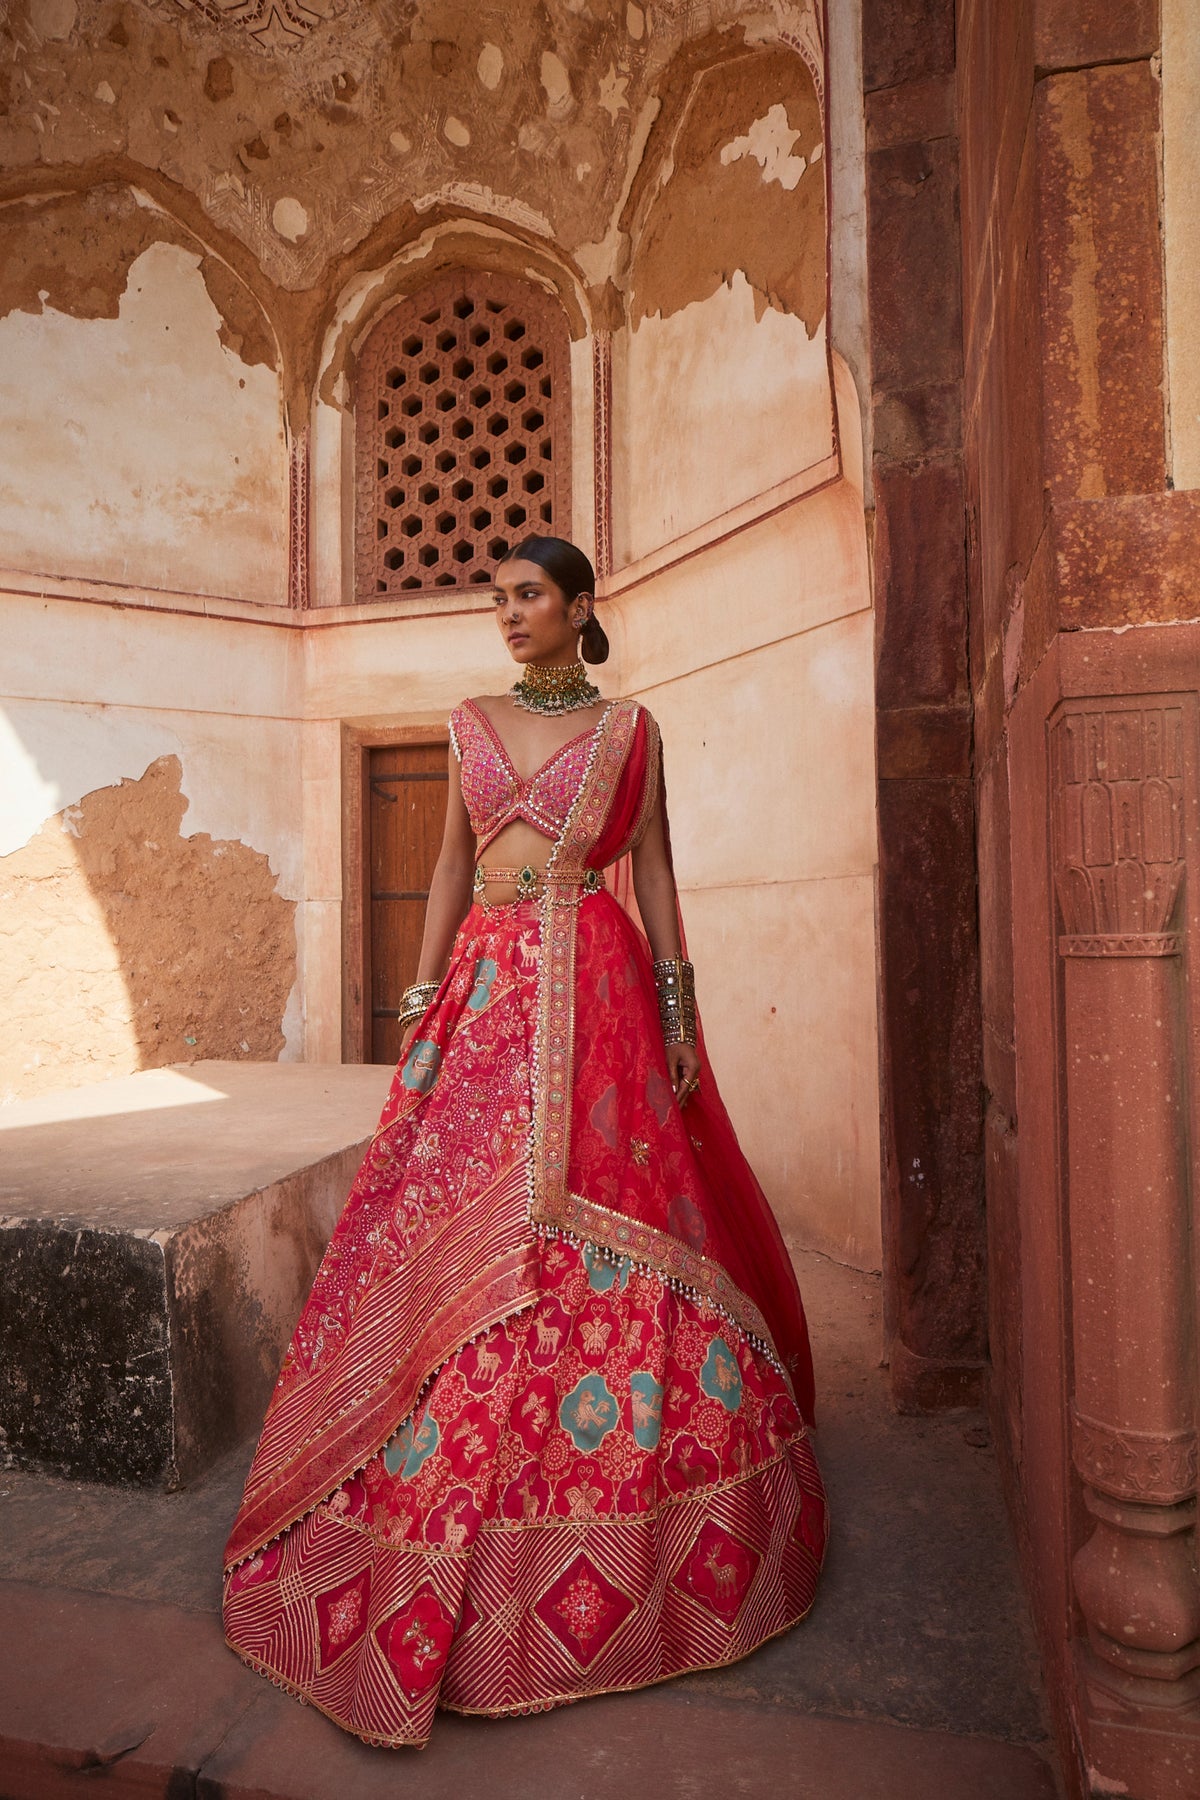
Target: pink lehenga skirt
(608,1482)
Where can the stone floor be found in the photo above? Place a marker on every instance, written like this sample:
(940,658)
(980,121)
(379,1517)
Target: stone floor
(914,1675)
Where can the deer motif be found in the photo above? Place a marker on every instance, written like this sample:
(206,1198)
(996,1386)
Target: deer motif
(548,1337)
(529,1505)
(487,1362)
(724,1574)
(454,1534)
(691,1470)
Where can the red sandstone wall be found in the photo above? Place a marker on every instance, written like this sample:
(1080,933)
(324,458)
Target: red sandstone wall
(1072,538)
(933,1227)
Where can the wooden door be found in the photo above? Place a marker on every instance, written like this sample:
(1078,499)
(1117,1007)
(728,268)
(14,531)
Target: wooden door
(406,791)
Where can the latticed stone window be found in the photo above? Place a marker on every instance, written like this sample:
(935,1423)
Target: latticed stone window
(462,433)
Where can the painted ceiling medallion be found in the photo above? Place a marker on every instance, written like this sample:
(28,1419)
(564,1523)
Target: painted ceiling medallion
(272,24)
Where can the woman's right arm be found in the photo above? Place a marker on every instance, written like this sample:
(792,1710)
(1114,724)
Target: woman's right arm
(449,889)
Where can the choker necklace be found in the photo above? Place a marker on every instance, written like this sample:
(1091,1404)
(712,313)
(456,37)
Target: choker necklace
(554,688)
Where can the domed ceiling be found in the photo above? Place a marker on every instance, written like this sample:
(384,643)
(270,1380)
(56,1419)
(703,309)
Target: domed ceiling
(300,127)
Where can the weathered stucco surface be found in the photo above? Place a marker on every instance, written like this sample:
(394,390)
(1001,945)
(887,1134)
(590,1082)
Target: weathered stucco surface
(73,253)
(756,657)
(742,406)
(303,145)
(125,945)
(743,188)
(301,130)
(724,357)
(137,446)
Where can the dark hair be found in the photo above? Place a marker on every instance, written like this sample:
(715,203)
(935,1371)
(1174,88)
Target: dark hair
(569,569)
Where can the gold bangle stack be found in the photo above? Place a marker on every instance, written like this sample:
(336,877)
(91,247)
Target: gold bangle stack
(415,1002)
(675,980)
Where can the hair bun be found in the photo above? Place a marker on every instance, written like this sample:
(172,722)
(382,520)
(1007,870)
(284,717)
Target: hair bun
(594,643)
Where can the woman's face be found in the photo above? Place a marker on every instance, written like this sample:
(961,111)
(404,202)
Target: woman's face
(535,619)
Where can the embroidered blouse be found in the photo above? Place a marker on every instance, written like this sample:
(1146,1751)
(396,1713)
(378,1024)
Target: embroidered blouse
(496,795)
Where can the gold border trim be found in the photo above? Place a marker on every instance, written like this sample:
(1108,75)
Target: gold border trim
(554,1036)
(658,1253)
(550,1702)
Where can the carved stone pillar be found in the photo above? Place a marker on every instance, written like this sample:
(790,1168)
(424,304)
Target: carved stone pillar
(1117,810)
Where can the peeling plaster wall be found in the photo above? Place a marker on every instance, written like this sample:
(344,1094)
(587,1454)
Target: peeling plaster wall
(712,409)
(151,854)
(301,131)
(721,381)
(72,252)
(126,945)
(140,448)
(742,186)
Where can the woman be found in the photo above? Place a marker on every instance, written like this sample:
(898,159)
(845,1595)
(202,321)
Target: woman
(542,1430)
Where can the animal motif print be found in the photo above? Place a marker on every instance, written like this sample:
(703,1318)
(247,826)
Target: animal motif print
(724,1574)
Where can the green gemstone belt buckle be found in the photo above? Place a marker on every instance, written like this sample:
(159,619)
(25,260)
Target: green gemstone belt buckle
(527,882)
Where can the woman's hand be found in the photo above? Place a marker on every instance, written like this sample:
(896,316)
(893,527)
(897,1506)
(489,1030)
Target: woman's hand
(683,1066)
(406,1041)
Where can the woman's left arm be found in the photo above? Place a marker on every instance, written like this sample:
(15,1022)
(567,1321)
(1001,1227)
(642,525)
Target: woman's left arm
(654,885)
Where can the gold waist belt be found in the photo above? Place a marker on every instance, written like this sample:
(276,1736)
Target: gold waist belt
(530,882)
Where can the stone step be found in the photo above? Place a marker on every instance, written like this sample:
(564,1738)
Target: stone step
(158,1234)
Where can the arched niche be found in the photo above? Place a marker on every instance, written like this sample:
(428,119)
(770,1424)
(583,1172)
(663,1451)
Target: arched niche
(458,259)
(725,352)
(144,439)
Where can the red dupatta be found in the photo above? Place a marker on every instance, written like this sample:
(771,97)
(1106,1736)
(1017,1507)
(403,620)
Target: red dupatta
(745,1269)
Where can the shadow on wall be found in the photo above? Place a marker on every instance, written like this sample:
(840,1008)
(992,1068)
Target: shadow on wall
(126,946)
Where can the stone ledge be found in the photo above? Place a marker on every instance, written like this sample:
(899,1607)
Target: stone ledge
(158,1234)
